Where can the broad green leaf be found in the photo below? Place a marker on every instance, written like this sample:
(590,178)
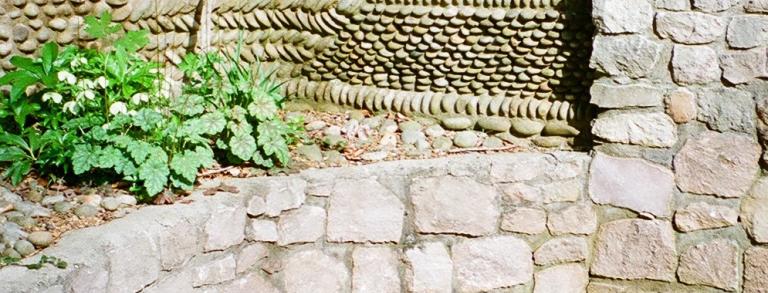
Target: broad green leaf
(11,154)
(28,65)
(154,172)
(147,119)
(242,146)
(101,26)
(49,53)
(20,85)
(181,183)
(109,157)
(189,105)
(18,170)
(84,158)
(22,110)
(209,123)
(132,41)
(262,107)
(138,150)
(185,165)
(204,156)
(14,140)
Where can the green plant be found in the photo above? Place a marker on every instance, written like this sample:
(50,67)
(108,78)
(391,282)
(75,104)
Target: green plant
(44,259)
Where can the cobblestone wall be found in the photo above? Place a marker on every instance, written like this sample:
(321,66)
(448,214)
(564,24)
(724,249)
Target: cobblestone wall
(527,222)
(523,60)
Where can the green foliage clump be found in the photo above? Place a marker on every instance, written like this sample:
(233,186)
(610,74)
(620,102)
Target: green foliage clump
(108,111)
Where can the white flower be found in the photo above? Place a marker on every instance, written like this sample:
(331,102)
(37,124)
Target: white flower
(88,94)
(71,106)
(117,108)
(54,96)
(102,82)
(132,113)
(67,77)
(139,97)
(86,84)
(78,61)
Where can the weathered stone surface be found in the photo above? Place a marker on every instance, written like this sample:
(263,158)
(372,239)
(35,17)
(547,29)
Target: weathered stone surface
(701,215)
(429,268)
(574,219)
(225,227)
(720,164)
(314,271)
(625,55)
(756,6)
(261,230)
(562,279)
(646,129)
(631,183)
(525,220)
(252,282)
(375,270)
(754,211)
(281,195)
(714,5)
(485,264)
(250,255)
(755,269)
(621,96)
(302,225)
(743,67)
(214,270)
(681,105)
(256,206)
(635,249)
(364,210)
(690,27)
(622,16)
(562,250)
(695,65)
(714,263)
(178,243)
(674,5)
(457,205)
(746,32)
(727,109)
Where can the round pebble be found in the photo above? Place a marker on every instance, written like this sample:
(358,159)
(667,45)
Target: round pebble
(497,124)
(41,238)
(434,131)
(374,156)
(334,157)
(493,142)
(388,126)
(332,130)
(442,143)
(315,125)
(63,207)
(53,199)
(128,200)
(410,126)
(110,203)
(24,221)
(465,139)
(457,123)
(10,252)
(86,210)
(24,247)
(411,136)
(311,152)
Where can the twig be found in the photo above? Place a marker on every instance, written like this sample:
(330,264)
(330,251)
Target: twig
(481,149)
(213,172)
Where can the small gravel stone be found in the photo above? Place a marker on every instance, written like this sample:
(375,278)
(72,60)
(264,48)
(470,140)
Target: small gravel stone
(442,143)
(457,123)
(372,123)
(10,252)
(311,152)
(24,247)
(374,156)
(63,207)
(356,115)
(434,131)
(334,157)
(53,199)
(41,238)
(334,141)
(332,130)
(91,199)
(110,203)
(411,136)
(389,126)
(86,210)
(26,222)
(315,125)
(465,139)
(410,126)
(128,200)
(493,142)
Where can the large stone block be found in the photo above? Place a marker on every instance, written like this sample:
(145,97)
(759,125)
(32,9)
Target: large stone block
(681,105)
(622,16)
(690,27)
(454,205)
(525,220)
(701,215)
(375,270)
(749,31)
(484,264)
(742,67)
(756,6)
(754,211)
(625,55)
(674,5)
(429,268)
(720,164)
(302,225)
(364,210)
(633,249)
(562,250)
(314,271)
(695,65)
(574,219)
(225,227)
(714,263)
(568,278)
(727,109)
(645,129)
(631,183)
(622,96)
(213,269)
(714,5)
(756,270)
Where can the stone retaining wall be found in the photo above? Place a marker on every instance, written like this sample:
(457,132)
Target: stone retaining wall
(541,222)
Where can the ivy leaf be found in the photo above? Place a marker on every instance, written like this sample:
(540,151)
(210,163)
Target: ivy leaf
(185,165)
(84,158)
(204,156)
(132,41)
(263,108)
(101,26)
(189,105)
(209,123)
(109,157)
(243,146)
(147,119)
(154,172)
(138,150)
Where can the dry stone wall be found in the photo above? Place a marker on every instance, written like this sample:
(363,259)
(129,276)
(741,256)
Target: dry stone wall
(526,222)
(522,60)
